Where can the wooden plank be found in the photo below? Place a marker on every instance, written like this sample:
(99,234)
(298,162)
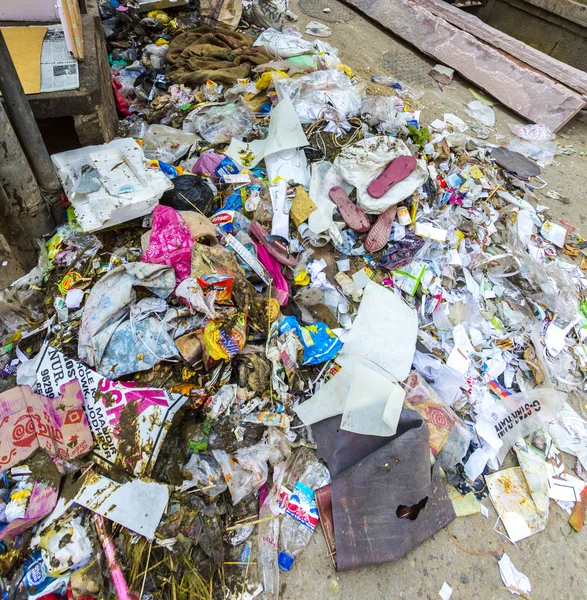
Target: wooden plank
(529,93)
(570,76)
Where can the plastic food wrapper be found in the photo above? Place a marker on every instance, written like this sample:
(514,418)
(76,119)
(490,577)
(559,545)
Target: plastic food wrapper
(115,410)
(285,133)
(517,416)
(111,341)
(218,285)
(317,93)
(380,514)
(41,502)
(30,421)
(219,123)
(126,187)
(319,341)
(449,438)
(364,161)
(167,143)
(514,505)
(170,243)
(38,582)
(225,337)
(284,45)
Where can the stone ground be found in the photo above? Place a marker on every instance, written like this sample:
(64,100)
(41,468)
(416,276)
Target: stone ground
(554,561)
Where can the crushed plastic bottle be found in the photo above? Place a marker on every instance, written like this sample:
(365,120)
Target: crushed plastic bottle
(302,466)
(386,80)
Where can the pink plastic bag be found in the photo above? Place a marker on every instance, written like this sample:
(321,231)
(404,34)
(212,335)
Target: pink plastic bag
(171,242)
(274,268)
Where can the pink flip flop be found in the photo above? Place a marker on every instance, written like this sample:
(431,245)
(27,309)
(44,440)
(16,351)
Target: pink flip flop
(353,216)
(276,251)
(397,170)
(381,230)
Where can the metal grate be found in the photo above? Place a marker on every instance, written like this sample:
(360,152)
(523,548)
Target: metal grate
(408,66)
(338,12)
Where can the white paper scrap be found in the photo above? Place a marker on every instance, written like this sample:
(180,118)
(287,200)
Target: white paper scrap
(445,591)
(512,578)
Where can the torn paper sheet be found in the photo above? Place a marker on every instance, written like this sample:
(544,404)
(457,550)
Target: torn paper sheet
(566,488)
(445,591)
(280,222)
(383,335)
(509,493)
(137,505)
(128,421)
(533,465)
(285,133)
(515,581)
(56,424)
(373,404)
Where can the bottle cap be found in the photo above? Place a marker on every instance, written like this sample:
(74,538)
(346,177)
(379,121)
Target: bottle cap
(285,561)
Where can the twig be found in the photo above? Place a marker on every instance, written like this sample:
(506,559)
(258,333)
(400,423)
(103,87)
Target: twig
(252,523)
(236,562)
(146,571)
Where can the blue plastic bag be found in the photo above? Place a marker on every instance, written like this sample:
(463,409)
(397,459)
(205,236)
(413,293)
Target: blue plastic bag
(319,341)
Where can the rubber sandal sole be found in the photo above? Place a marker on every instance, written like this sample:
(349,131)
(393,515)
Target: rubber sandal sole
(353,216)
(397,170)
(379,234)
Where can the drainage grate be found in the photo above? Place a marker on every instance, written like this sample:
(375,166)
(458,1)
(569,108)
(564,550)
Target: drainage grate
(338,12)
(407,66)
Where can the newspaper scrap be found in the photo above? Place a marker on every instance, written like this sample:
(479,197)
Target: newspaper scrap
(128,421)
(30,421)
(59,70)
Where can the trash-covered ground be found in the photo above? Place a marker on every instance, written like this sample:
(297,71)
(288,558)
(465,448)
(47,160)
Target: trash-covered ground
(199,349)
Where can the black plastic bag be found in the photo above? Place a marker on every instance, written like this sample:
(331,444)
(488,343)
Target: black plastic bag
(190,192)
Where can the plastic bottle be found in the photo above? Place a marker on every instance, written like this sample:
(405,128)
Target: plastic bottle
(303,466)
(297,531)
(386,80)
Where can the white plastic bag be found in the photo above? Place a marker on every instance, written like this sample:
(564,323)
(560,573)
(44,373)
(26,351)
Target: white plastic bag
(321,91)
(481,112)
(362,162)
(167,143)
(532,133)
(284,45)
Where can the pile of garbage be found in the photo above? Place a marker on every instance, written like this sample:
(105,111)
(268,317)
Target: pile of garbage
(282,299)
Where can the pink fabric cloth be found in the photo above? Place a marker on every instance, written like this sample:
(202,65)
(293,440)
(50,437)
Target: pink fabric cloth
(274,268)
(171,242)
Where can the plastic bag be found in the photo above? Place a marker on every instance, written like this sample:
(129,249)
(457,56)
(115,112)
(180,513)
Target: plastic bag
(245,471)
(190,192)
(362,162)
(224,13)
(284,45)
(170,243)
(321,91)
(382,109)
(167,143)
(219,123)
(543,152)
(502,424)
(203,472)
(532,133)
(154,56)
(449,438)
(266,13)
(319,341)
(481,112)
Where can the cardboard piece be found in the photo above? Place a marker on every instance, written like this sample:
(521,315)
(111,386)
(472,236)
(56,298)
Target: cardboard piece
(128,421)
(41,502)
(25,45)
(137,505)
(29,421)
